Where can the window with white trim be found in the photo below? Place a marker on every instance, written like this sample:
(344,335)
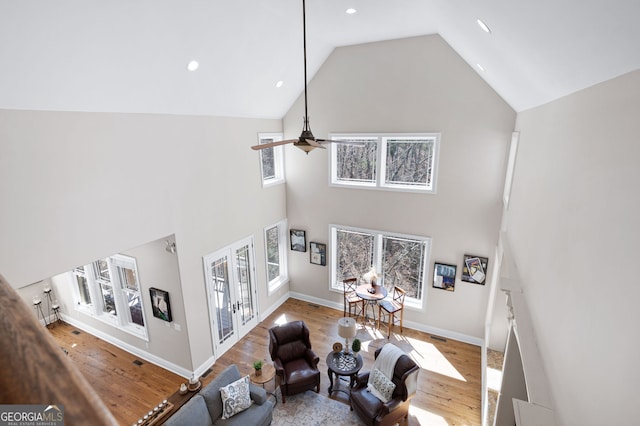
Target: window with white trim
(82,287)
(275,246)
(109,289)
(399,260)
(400,162)
(271,159)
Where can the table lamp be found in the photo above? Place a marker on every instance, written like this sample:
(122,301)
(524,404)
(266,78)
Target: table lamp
(347,329)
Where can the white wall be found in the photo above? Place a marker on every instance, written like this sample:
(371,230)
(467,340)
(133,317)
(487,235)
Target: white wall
(574,235)
(410,85)
(76,187)
(157,268)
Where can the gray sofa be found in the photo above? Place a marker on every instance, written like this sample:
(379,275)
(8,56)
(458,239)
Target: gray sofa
(205,408)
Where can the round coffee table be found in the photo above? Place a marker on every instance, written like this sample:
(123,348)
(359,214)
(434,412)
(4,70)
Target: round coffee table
(341,365)
(268,373)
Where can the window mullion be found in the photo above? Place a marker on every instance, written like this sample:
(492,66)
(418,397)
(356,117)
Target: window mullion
(382,162)
(119,294)
(94,289)
(377,255)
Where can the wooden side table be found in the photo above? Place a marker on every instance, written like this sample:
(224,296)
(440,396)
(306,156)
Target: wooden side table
(268,374)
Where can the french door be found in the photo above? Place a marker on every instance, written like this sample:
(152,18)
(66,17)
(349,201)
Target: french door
(231,291)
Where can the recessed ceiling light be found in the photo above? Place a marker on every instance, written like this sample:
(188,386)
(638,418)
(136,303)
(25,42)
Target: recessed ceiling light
(350,11)
(279,84)
(484,26)
(193,65)
(480,67)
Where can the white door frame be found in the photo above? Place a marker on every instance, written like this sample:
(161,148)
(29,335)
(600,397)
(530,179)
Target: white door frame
(238,297)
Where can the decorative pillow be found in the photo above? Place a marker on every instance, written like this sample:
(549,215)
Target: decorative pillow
(380,385)
(235,397)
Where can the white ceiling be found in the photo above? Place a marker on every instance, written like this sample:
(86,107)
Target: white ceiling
(131,55)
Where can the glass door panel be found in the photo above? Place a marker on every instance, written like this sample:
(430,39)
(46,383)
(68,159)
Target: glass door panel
(244,286)
(230,288)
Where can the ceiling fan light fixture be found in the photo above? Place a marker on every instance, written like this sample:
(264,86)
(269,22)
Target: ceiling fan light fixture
(279,84)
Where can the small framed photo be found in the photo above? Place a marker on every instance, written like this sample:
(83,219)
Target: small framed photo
(474,269)
(298,240)
(444,276)
(160,304)
(318,253)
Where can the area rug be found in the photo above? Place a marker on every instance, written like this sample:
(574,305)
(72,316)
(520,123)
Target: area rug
(312,409)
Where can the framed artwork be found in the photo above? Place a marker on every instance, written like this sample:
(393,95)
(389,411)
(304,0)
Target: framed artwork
(298,240)
(318,253)
(474,269)
(160,304)
(444,276)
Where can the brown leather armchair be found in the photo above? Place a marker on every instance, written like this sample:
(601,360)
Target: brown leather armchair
(296,364)
(375,412)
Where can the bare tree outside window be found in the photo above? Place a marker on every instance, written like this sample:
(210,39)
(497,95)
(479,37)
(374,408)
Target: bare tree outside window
(357,162)
(355,254)
(271,159)
(403,265)
(273,253)
(275,247)
(268,161)
(409,162)
(400,162)
(399,259)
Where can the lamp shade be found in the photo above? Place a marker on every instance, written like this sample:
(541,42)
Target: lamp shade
(347,327)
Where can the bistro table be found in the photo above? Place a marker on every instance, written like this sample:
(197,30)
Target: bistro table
(371,298)
(343,364)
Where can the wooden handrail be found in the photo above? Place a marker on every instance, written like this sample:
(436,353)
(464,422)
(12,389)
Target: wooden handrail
(36,371)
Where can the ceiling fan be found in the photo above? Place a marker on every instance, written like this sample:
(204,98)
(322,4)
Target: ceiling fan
(306,142)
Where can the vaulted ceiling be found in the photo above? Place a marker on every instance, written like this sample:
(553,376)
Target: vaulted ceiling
(132,55)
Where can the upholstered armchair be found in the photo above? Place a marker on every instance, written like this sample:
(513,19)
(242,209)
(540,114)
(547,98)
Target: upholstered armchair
(371,409)
(296,364)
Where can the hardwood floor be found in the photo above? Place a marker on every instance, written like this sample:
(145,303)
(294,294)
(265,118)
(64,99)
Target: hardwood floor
(449,388)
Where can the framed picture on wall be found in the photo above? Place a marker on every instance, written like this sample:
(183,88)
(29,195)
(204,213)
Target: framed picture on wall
(160,304)
(298,240)
(474,269)
(444,276)
(318,253)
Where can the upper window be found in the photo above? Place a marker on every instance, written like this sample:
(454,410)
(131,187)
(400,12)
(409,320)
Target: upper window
(275,246)
(403,162)
(400,260)
(271,159)
(109,289)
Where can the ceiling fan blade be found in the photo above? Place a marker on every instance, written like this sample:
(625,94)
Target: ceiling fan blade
(315,143)
(272,144)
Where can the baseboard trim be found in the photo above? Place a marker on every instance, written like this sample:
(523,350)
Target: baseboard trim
(204,366)
(476,341)
(147,356)
(273,307)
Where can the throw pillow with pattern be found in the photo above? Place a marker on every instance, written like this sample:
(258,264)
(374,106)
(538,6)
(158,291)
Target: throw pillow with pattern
(380,385)
(235,397)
